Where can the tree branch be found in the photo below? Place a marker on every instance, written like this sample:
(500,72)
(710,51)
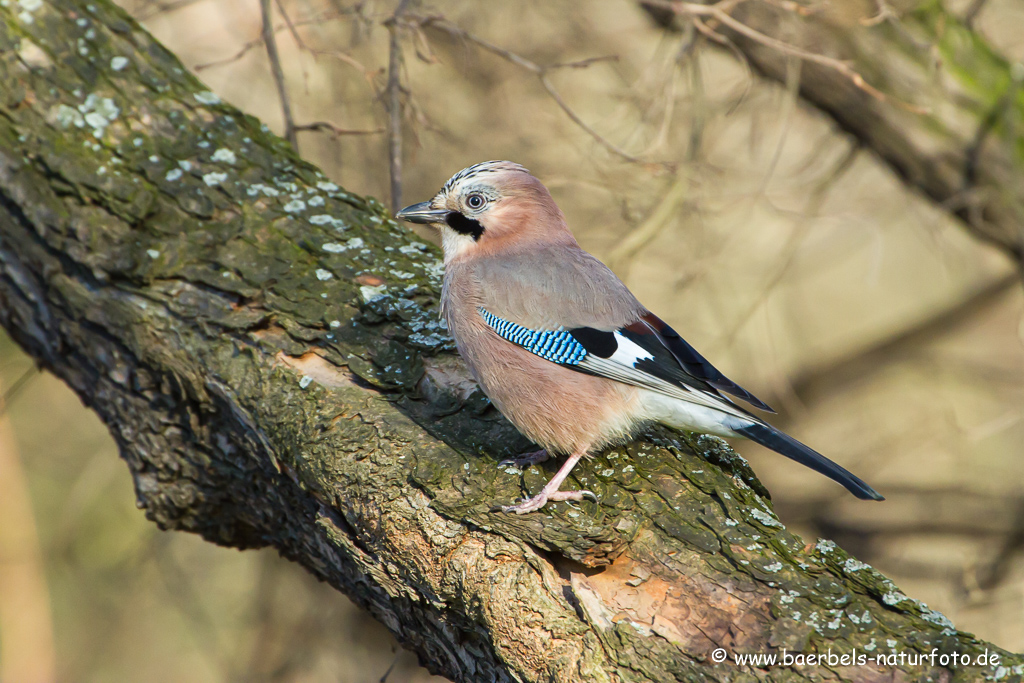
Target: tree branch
(972,12)
(957,143)
(264,347)
(393,93)
(720,12)
(270,41)
(836,375)
(336,131)
(27,651)
(540,71)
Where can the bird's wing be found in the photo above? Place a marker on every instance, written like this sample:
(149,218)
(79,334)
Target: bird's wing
(644,355)
(639,354)
(692,363)
(564,287)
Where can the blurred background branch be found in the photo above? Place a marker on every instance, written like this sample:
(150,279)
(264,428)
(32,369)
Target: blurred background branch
(270,42)
(943,111)
(393,93)
(27,652)
(541,72)
(863,363)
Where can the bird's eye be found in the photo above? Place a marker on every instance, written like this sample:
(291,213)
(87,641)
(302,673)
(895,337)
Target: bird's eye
(475,201)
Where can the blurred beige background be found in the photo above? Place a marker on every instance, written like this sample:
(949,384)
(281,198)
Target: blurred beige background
(750,225)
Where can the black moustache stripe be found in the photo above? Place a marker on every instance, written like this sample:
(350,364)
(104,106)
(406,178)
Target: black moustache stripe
(465,226)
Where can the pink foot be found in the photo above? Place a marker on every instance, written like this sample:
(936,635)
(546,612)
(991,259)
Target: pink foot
(542,499)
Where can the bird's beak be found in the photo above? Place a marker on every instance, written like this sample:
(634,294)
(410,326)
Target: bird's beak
(422,213)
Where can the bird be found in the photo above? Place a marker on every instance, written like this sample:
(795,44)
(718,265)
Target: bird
(560,345)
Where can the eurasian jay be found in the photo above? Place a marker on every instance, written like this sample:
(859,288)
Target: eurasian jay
(559,344)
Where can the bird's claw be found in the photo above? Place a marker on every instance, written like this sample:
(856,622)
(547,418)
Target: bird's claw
(542,499)
(521,462)
(574,495)
(525,506)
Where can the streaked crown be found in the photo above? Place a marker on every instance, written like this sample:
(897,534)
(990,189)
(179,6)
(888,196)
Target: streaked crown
(476,171)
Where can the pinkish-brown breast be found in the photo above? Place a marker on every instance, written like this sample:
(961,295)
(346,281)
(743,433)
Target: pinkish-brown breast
(559,409)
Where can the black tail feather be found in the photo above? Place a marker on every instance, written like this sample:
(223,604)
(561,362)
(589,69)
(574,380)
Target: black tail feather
(770,437)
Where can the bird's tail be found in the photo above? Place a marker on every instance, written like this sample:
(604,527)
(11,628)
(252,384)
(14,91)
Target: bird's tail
(769,437)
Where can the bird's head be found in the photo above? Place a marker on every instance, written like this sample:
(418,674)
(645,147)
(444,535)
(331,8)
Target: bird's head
(492,205)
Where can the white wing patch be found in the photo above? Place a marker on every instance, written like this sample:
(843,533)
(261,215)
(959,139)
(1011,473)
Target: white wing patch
(628,352)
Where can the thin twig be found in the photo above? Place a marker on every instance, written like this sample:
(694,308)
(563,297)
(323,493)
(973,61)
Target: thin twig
(724,41)
(583,63)
(583,124)
(15,388)
(336,131)
(768,41)
(270,40)
(885,13)
(972,13)
(658,220)
(291,27)
(252,44)
(788,107)
(299,42)
(393,93)
(720,13)
(346,58)
(158,8)
(258,40)
(699,111)
(540,71)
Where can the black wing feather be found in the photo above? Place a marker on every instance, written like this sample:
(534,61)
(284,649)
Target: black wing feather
(659,361)
(598,342)
(662,364)
(779,442)
(696,365)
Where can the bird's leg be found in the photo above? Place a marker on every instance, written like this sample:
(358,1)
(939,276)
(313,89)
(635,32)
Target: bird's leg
(550,491)
(525,460)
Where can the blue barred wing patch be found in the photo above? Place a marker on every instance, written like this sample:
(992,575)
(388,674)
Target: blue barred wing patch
(557,346)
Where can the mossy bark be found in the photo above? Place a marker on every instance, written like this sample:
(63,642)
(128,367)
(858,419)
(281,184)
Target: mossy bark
(265,349)
(951,118)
